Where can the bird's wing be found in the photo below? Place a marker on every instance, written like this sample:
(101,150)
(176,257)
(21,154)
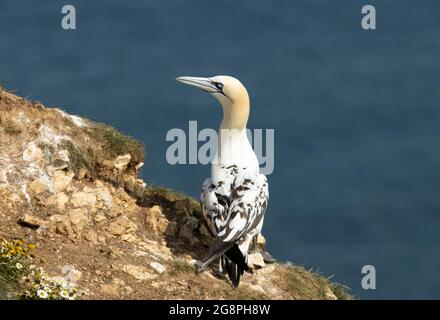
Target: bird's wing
(234,216)
(215,203)
(248,202)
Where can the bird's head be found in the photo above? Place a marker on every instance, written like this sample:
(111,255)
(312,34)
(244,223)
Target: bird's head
(231,94)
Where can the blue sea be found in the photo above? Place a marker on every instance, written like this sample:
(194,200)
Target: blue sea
(356,113)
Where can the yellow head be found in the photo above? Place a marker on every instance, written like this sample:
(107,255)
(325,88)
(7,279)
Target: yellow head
(231,94)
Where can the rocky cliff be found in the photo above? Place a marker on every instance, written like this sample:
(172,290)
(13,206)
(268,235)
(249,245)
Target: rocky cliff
(70,186)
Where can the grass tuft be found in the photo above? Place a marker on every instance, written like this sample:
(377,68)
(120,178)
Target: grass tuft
(117,144)
(181,266)
(304,284)
(78,158)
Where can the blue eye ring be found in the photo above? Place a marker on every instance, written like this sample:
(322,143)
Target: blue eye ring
(219,85)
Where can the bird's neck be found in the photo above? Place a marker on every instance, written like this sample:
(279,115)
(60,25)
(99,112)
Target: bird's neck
(235,115)
(234,147)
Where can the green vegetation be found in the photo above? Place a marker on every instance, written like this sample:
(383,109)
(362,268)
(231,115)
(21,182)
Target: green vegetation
(116,144)
(79,159)
(181,266)
(14,256)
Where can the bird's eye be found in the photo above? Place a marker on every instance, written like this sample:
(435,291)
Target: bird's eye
(219,85)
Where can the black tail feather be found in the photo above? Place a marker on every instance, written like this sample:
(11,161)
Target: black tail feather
(217,248)
(233,261)
(235,265)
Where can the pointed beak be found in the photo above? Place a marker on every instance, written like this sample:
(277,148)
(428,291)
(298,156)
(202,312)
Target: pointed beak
(205,84)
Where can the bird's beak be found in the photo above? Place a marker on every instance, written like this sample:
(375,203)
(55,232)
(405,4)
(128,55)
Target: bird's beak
(205,84)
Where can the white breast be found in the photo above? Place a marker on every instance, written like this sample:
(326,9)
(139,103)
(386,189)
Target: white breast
(234,149)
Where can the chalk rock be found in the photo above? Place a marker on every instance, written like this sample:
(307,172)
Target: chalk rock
(83,199)
(138,272)
(61,180)
(79,219)
(58,201)
(37,187)
(121,225)
(32,221)
(104,198)
(91,236)
(71,274)
(100,218)
(121,162)
(156,220)
(60,224)
(255,260)
(32,153)
(157,267)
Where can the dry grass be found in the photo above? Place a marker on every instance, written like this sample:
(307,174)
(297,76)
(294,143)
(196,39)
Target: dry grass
(303,284)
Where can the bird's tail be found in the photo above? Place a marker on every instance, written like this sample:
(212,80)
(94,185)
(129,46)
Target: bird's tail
(234,263)
(232,259)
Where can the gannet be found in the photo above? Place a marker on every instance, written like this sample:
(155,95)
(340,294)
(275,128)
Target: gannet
(234,198)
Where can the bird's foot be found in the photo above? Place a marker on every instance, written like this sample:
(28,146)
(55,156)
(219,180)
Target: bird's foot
(199,266)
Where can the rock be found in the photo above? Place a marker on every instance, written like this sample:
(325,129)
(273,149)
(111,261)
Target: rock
(130,237)
(32,153)
(60,224)
(266,270)
(71,274)
(156,220)
(255,260)
(121,225)
(31,221)
(61,180)
(121,162)
(109,289)
(83,199)
(130,184)
(138,272)
(79,219)
(139,165)
(157,267)
(100,218)
(113,213)
(58,201)
(37,187)
(104,198)
(91,236)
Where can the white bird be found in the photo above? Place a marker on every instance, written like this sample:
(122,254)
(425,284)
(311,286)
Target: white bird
(234,199)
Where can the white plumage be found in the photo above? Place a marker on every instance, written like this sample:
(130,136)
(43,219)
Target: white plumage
(234,198)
